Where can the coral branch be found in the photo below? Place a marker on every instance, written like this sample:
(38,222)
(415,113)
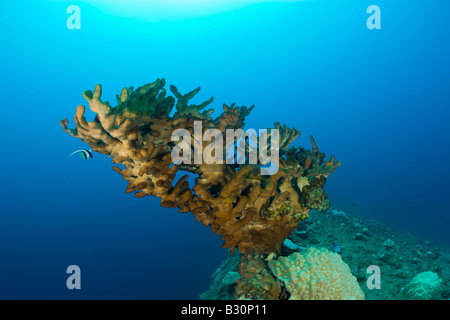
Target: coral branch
(252,212)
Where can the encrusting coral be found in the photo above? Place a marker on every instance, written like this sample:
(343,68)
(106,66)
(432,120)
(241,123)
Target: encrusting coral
(252,212)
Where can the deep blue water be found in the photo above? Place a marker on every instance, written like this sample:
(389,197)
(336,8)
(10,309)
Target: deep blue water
(377,99)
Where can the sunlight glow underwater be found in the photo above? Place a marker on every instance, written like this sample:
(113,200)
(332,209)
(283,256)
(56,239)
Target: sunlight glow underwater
(160,10)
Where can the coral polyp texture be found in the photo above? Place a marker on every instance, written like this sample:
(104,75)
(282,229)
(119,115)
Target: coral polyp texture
(317,274)
(424,286)
(251,211)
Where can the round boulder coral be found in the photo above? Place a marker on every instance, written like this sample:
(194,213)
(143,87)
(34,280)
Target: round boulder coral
(317,274)
(424,286)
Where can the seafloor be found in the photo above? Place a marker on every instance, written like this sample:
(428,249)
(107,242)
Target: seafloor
(361,242)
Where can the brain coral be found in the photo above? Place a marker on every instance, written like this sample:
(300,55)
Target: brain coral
(317,274)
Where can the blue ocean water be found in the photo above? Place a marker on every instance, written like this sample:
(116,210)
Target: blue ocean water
(376,99)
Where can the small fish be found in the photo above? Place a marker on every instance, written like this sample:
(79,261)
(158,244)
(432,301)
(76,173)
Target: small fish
(85,154)
(336,247)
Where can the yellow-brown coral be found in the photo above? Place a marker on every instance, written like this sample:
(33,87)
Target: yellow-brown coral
(317,274)
(251,212)
(256,282)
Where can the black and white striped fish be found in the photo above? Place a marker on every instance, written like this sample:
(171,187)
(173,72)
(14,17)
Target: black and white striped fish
(85,154)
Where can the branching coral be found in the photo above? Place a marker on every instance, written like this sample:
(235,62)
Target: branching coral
(252,212)
(256,282)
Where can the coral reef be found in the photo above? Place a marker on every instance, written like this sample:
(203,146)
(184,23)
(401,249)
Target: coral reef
(424,286)
(401,257)
(317,274)
(252,212)
(256,282)
(222,286)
